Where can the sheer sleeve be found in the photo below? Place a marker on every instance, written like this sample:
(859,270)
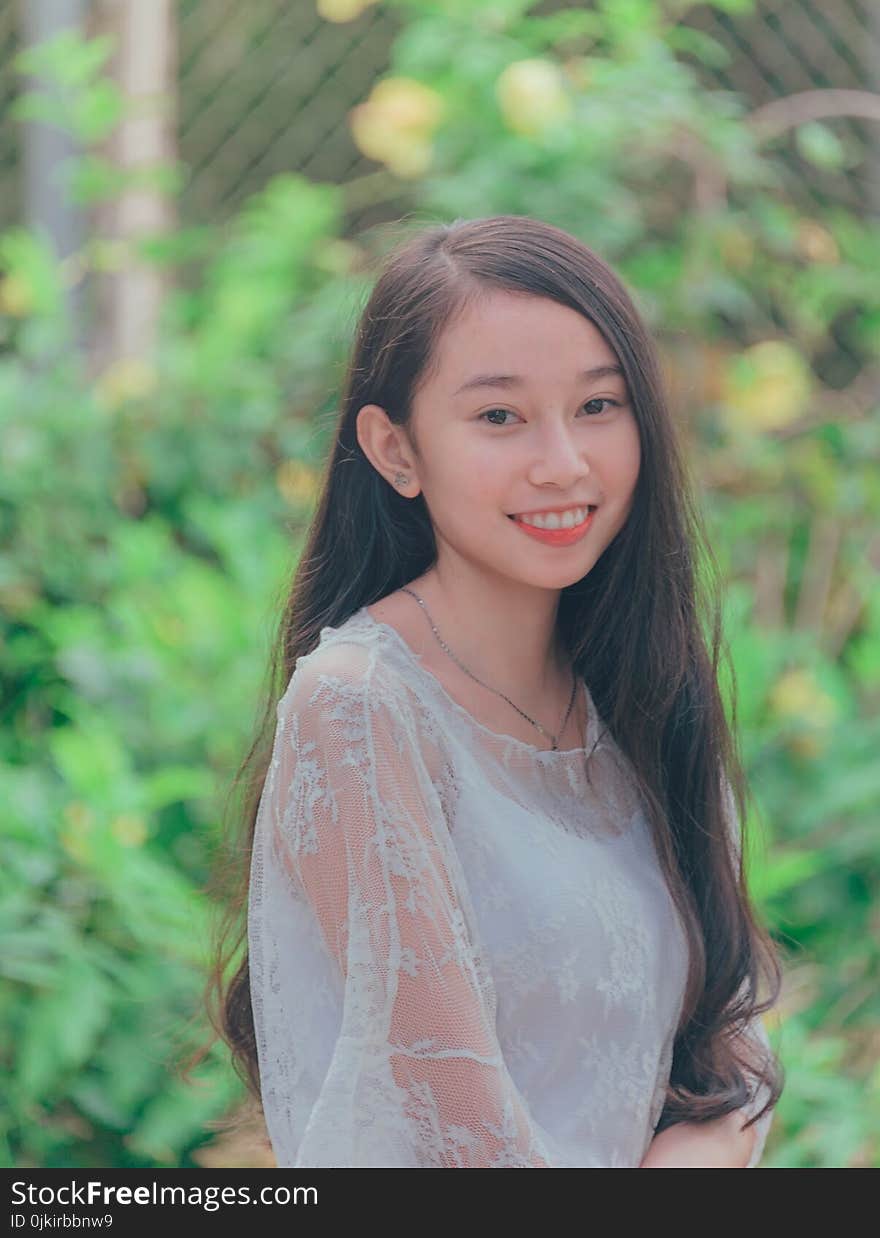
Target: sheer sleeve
(756,1041)
(374,1010)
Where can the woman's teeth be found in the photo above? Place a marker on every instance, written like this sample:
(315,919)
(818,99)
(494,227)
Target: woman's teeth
(556,520)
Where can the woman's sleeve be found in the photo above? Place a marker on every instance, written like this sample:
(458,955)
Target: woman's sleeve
(413,1076)
(756,1043)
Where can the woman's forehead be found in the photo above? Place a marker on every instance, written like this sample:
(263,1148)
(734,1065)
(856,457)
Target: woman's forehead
(517,337)
(515,326)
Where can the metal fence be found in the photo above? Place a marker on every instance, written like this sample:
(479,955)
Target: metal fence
(266,87)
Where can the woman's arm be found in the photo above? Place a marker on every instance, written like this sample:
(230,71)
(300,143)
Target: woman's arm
(718,1144)
(413,1074)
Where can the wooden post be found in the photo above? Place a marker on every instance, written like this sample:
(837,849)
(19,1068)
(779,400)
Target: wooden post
(871,51)
(144,66)
(46,207)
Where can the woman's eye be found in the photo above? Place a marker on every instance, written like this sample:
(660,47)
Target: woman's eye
(601,399)
(504,411)
(490,411)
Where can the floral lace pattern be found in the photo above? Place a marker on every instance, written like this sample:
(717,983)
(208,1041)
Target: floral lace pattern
(462,951)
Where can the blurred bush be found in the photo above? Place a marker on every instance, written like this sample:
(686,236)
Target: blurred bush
(153,513)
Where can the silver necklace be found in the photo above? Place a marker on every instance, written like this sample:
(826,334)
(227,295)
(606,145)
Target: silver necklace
(554,738)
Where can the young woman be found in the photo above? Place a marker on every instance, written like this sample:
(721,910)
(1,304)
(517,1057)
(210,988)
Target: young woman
(496,911)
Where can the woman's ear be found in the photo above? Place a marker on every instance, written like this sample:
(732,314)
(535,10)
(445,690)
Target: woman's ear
(388,449)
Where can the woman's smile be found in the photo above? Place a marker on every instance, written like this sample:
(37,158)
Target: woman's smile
(561,536)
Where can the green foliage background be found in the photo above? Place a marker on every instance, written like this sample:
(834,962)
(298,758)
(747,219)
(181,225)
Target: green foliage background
(152,515)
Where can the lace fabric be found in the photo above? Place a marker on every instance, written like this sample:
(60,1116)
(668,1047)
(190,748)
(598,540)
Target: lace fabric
(462,950)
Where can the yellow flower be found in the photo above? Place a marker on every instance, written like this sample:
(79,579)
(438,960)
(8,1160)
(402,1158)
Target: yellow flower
(75,838)
(816,243)
(169,628)
(342,10)
(797,696)
(409,104)
(130,378)
(737,247)
(339,257)
(395,124)
(129,829)
(532,95)
(765,387)
(810,747)
(17,597)
(297,483)
(16,296)
(410,159)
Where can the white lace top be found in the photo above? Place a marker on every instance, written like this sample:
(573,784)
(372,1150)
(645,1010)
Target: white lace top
(462,952)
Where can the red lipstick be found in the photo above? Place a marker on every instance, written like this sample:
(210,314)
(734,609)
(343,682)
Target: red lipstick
(556,537)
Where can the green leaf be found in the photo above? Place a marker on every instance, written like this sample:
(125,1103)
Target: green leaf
(820,145)
(176,783)
(180,1114)
(97,111)
(60,1026)
(700,45)
(782,872)
(66,58)
(91,759)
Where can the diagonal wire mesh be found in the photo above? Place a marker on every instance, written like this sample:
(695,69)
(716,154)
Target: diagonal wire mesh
(266,87)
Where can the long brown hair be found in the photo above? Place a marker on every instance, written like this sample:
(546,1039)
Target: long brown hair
(633,623)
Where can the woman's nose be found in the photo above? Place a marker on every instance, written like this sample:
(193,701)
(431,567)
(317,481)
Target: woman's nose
(562,460)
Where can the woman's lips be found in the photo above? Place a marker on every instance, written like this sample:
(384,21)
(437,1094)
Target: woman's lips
(556,537)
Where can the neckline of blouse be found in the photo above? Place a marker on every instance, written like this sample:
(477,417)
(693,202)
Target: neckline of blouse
(541,753)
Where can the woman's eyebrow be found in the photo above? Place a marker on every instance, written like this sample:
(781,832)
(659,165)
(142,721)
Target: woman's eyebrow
(514,380)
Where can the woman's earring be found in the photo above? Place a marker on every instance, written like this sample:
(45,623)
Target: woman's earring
(400,479)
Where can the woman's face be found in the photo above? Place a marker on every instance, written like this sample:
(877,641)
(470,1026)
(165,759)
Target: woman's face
(541,434)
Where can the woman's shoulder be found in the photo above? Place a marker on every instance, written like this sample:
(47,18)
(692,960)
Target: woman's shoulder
(353,656)
(359,672)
